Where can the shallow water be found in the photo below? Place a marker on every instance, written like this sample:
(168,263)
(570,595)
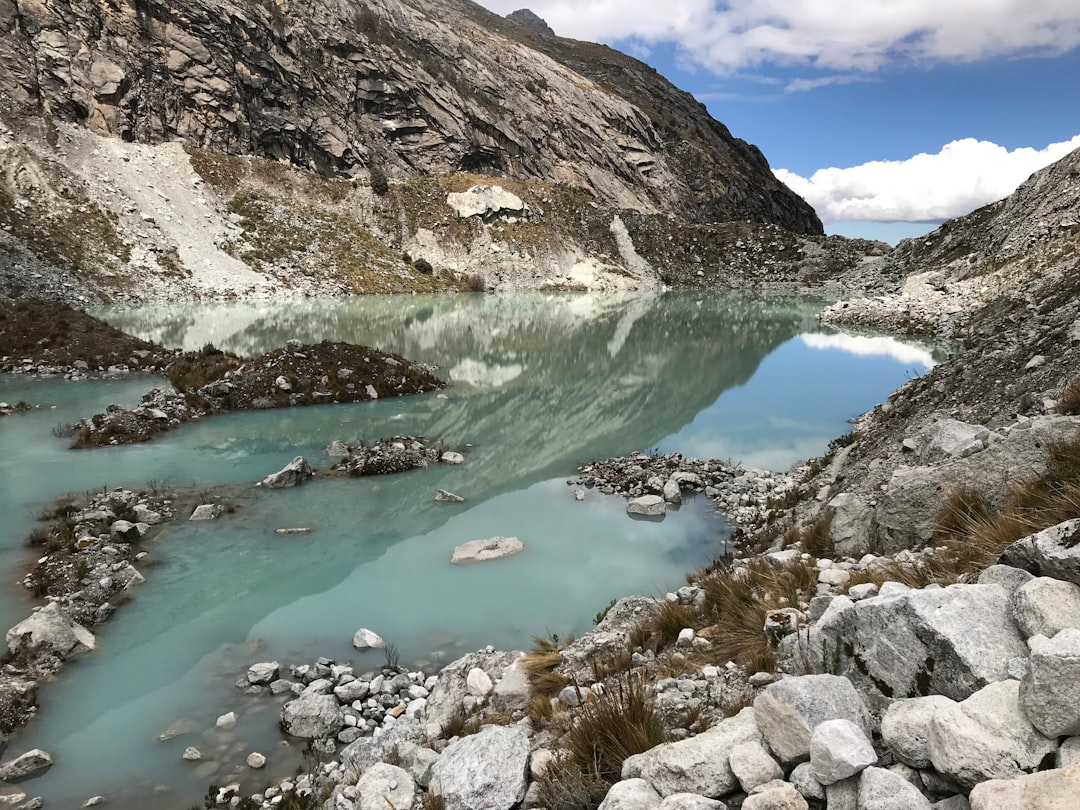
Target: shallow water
(539,384)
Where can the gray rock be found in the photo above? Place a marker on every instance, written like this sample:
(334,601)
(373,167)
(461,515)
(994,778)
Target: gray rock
(843,795)
(905,728)
(263,673)
(1046,605)
(1047,790)
(449,691)
(1006,576)
(385,786)
(206,511)
(985,737)
(1069,753)
(691,801)
(788,711)
(51,628)
(839,749)
(364,639)
(866,590)
(753,766)
(478,683)
(485,201)
(292,474)
(1049,553)
(337,449)
(850,527)
(442,496)
(698,764)
(312,716)
(949,439)
(25,766)
(672,492)
(450,457)
(647,506)
(631,794)
(957,802)
(191,754)
(256,761)
(781,797)
(123,531)
(802,777)
(417,760)
(512,690)
(493,548)
(880,789)
(919,642)
(1050,690)
(485,770)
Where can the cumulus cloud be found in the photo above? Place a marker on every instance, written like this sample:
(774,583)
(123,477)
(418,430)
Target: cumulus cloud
(963,176)
(836,35)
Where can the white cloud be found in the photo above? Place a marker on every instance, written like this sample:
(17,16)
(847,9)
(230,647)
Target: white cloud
(837,35)
(963,176)
(863,346)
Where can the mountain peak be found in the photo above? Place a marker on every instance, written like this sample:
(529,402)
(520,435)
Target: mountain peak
(529,19)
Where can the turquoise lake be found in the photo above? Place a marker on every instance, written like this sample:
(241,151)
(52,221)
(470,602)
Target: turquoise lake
(538,384)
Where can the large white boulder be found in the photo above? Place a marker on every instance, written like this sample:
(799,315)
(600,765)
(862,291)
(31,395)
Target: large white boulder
(906,642)
(364,639)
(698,764)
(384,786)
(631,794)
(1047,790)
(25,766)
(486,202)
(312,716)
(788,711)
(949,439)
(1052,552)
(486,770)
(1050,689)
(880,789)
(986,736)
(493,548)
(647,506)
(292,474)
(905,728)
(51,628)
(753,765)
(839,749)
(1046,605)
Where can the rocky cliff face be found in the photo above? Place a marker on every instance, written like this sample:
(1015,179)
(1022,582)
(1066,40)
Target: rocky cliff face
(385,86)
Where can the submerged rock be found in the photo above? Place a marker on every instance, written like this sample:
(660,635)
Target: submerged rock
(364,639)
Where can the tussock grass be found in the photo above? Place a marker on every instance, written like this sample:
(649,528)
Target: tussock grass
(1069,401)
(564,787)
(670,621)
(545,682)
(815,538)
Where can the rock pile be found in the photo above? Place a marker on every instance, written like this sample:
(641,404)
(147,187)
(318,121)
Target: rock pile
(393,455)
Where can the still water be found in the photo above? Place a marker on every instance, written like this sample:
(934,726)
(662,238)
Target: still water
(538,384)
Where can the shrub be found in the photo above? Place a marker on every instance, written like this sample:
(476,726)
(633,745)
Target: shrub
(474,282)
(379,183)
(424,266)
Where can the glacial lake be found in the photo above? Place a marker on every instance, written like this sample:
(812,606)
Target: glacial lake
(539,383)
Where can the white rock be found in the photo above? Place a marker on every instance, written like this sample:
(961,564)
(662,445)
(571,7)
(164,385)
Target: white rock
(264,672)
(647,505)
(384,786)
(478,683)
(949,439)
(850,527)
(1006,576)
(312,717)
(1069,753)
(484,770)
(631,794)
(493,548)
(226,721)
(364,639)
(485,201)
(256,760)
(25,766)
(905,728)
(672,492)
(1052,552)
(781,797)
(1050,689)
(292,474)
(206,511)
(686,637)
(835,577)
(753,766)
(450,457)
(880,789)
(864,591)
(191,754)
(839,749)
(802,777)
(1046,605)
(52,629)
(788,711)
(698,764)
(1047,790)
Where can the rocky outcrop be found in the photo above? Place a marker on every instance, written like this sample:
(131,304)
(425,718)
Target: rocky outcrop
(488,769)
(493,548)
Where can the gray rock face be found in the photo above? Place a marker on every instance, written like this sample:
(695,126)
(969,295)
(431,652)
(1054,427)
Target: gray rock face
(948,439)
(53,629)
(1046,605)
(839,749)
(788,711)
(383,786)
(880,789)
(753,766)
(905,728)
(493,548)
(850,527)
(698,764)
(1052,552)
(920,642)
(450,690)
(25,766)
(986,736)
(647,506)
(292,474)
(1048,790)
(531,20)
(206,511)
(485,770)
(1050,690)
(631,794)
(312,716)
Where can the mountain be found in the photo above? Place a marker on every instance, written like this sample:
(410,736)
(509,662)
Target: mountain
(395,87)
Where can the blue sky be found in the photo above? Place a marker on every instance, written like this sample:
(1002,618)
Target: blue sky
(888,116)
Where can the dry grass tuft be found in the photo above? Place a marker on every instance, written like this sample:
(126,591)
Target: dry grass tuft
(670,621)
(815,539)
(1069,401)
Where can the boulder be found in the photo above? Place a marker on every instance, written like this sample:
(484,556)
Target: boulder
(450,690)
(384,786)
(1050,689)
(263,673)
(312,716)
(691,801)
(880,789)
(450,457)
(206,511)
(1046,605)
(949,439)
(839,749)
(486,201)
(904,643)
(788,711)
(802,777)
(364,639)
(1069,753)
(292,474)
(1047,790)
(256,761)
(698,764)
(780,797)
(51,628)
(1006,576)
(512,690)
(25,766)
(478,683)
(123,531)
(986,736)
(647,506)
(493,548)
(488,770)
(753,766)
(905,728)
(672,492)
(443,496)
(850,527)
(631,794)
(1053,552)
